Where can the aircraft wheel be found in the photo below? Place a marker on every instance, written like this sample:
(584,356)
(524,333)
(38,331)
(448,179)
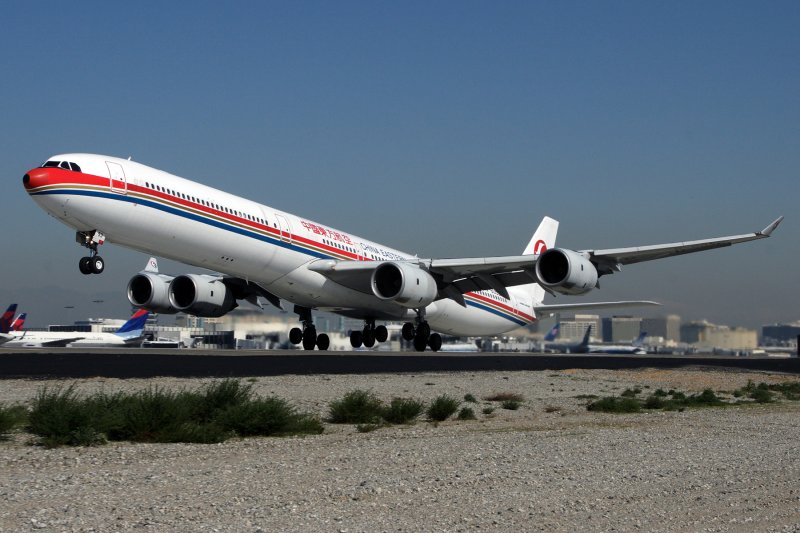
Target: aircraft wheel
(356,339)
(85,265)
(420,343)
(368,336)
(296,335)
(435,342)
(408,331)
(309,338)
(323,341)
(381,334)
(97,264)
(424,330)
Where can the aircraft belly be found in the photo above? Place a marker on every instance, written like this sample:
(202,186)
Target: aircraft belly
(453,319)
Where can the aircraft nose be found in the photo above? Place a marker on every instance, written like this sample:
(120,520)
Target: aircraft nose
(36,178)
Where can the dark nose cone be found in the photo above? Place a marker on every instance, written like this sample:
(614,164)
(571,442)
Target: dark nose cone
(38,177)
(25,180)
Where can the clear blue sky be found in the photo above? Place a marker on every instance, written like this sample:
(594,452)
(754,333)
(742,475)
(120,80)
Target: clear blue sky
(442,128)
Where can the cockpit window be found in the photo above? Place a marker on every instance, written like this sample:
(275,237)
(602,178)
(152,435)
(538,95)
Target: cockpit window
(62,164)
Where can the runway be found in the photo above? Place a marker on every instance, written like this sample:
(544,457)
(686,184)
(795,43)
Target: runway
(140,363)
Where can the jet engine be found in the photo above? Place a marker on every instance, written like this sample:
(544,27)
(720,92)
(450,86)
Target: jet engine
(150,291)
(566,271)
(405,284)
(201,295)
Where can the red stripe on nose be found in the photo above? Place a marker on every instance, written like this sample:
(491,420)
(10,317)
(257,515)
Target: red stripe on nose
(37,177)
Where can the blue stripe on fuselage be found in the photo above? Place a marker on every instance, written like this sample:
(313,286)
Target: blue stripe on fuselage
(496,312)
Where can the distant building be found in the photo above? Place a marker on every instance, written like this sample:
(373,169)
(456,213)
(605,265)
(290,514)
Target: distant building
(668,327)
(780,334)
(574,328)
(621,328)
(725,338)
(691,331)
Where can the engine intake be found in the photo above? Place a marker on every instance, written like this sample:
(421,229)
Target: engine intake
(566,271)
(405,284)
(150,291)
(199,295)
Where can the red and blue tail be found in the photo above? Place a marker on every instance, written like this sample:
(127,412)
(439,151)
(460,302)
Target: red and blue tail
(19,322)
(135,324)
(8,316)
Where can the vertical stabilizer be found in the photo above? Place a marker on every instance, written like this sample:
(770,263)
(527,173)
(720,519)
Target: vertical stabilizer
(7,317)
(135,325)
(543,239)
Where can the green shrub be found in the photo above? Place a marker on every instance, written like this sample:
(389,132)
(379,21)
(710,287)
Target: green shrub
(761,396)
(466,413)
(402,411)
(631,393)
(659,393)
(610,404)
(704,399)
(488,410)
(366,428)
(470,398)
(503,396)
(357,407)
(442,407)
(10,418)
(790,390)
(511,405)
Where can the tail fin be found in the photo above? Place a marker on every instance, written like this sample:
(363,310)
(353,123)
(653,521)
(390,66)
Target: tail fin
(6,318)
(19,322)
(553,333)
(585,342)
(543,239)
(640,339)
(135,324)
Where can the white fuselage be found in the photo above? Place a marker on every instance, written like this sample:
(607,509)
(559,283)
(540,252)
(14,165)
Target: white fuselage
(164,215)
(75,339)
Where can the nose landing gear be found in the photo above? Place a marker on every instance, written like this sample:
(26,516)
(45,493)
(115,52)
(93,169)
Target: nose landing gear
(93,264)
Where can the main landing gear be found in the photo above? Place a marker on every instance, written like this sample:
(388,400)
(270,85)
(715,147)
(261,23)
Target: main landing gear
(93,264)
(308,335)
(420,334)
(369,335)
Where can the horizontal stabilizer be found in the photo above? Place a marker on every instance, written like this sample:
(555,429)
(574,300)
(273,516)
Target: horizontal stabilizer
(556,308)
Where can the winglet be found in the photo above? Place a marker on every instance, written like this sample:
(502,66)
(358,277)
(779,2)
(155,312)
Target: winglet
(769,229)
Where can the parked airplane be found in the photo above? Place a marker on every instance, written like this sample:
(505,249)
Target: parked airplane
(264,252)
(566,347)
(5,323)
(19,322)
(130,333)
(635,347)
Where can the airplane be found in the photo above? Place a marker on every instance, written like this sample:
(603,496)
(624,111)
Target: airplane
(635,347)
(19,322)
(5,323)
(129,334)
(262,252)
(561,347)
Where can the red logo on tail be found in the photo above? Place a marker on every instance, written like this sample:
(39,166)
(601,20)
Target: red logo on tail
(540,247)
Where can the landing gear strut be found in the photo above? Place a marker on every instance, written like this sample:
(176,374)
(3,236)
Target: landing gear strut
(420,334)
(93,264)
(308,335)
(369,335)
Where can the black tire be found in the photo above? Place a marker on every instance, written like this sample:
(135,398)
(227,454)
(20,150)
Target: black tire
(435,342)
(296,335)
(408,331)
(309,341)
(323,341)
(368,336)
(84,265)
(355,339)
(381,334)
(424,329)
(97,265)
(420,343)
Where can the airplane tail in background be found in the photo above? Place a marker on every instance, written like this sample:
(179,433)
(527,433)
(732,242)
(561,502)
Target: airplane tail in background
(543,239)
(640,339)
(6,318)
(19,322)
(584,345)
(553,333)
(134,326)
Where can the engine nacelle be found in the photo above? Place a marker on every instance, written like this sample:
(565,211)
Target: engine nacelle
(150,291)
(200,295)
(566,271)
(405,284)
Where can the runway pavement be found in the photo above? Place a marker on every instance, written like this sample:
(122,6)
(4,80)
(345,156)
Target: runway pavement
(141,363)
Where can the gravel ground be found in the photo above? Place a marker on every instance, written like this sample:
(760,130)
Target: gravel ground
(550,466)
